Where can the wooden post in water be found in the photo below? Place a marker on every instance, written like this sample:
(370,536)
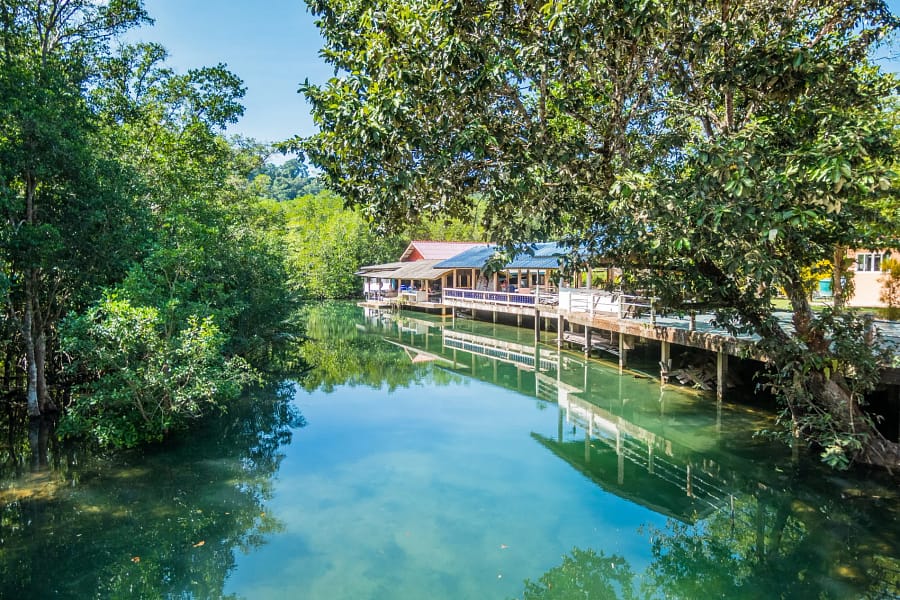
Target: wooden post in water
(560,324)
(537,325)
(587,341)
(622,358)
(721,374)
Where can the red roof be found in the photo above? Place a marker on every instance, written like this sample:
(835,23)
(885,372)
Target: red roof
(423,250)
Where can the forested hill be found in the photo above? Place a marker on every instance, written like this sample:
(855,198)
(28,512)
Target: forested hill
(286,181)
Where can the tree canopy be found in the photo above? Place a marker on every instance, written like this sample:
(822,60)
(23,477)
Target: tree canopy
(717,151)
(135,254)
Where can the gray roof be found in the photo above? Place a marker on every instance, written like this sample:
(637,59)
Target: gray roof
(382,267)
(541,256)
(420,269)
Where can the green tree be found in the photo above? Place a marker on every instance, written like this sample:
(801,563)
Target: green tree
(890,286)
(327,244)
(60,193)
(286,181)
(211,289)
(714,150)
(146,378)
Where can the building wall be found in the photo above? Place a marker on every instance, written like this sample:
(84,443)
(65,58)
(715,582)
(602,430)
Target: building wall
(867,277)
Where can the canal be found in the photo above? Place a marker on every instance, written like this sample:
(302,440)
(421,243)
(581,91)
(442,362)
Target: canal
(415,459)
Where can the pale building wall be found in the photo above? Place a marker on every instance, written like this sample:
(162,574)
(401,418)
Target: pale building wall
(868,289)
(867,277)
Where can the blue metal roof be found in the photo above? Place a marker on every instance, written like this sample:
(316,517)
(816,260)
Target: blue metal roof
(543,256)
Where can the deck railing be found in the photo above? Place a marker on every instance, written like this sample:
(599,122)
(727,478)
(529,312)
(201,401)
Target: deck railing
(624,306)
(501,298)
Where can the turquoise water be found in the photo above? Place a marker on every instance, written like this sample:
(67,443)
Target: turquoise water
(419,460)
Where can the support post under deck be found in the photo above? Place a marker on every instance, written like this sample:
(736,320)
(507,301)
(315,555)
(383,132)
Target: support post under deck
(560,325)
(721,374)
(665,361)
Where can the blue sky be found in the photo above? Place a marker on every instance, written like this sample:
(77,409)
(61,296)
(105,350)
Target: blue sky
(272,45)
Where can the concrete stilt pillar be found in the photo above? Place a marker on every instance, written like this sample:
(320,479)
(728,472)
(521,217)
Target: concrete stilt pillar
(495,316)
(519,320)
(623,362)
(560,330)
(721,374)
(587,342)
(665,361)
(537,326)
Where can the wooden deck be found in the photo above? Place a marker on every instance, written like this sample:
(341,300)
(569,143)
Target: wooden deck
(629,317)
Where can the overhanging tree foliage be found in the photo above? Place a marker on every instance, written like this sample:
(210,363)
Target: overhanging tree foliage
(717,150)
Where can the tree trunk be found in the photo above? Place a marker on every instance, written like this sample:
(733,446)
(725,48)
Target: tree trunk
(877,450)
(9,358)
(45,402)
(841,282)
(29,325)
(31,393)
(836,399)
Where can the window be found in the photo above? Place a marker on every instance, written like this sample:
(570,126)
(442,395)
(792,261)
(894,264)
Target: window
(869,261)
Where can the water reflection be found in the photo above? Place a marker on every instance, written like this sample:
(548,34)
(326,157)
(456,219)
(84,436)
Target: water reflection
(746,520)
(163,523)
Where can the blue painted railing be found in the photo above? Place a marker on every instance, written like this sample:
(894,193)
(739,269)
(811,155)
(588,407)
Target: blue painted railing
(505,298)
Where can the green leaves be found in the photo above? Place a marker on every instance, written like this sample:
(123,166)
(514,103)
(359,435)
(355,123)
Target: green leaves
(714,153)
(151,376)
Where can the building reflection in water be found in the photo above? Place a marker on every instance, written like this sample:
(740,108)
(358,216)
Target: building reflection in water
(623,442)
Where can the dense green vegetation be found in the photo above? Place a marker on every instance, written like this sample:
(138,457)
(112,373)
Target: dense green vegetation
(717,151)
(150,268)
(143,280)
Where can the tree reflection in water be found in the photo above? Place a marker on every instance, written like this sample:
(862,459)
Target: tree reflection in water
(162,523)
(337,353)
(584,574)
(772,545)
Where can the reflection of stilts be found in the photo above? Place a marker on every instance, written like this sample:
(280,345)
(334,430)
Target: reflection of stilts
(662,403)
(718,417)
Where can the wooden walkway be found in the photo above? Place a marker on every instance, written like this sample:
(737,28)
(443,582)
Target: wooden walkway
(632,320)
